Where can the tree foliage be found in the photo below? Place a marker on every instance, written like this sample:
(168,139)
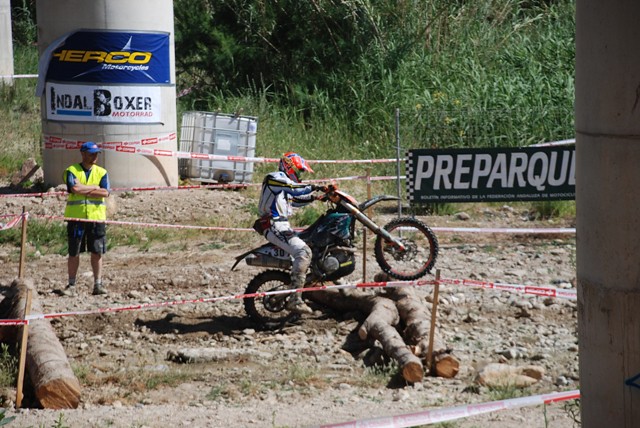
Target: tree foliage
(461,70)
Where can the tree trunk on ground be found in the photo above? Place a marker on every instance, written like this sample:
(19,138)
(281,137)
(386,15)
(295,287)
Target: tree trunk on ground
(417,319)
(54,383)
(380,325)
(385,312)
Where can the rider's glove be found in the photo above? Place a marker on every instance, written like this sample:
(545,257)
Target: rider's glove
(320,188)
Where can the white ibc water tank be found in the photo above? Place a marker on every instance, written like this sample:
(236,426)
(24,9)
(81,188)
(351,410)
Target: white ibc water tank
(226,135)
(6,43)
(107,74)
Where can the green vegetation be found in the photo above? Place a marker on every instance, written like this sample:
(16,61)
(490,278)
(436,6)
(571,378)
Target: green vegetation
(462,74)
(4,420)
(380,375)
(327,77)
(8,367)
(506,392)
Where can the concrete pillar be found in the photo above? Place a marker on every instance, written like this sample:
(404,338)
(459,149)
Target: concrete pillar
(608,210)
(104,98)
(6,42)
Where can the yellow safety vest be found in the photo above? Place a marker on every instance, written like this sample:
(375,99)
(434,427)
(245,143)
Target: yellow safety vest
(81,206)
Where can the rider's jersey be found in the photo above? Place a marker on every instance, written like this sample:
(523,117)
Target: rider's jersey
(280,193)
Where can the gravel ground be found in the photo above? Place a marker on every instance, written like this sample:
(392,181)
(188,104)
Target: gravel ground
(309,373)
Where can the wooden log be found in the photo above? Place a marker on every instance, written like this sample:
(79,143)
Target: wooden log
(416,316)
(380,325)
(54,383)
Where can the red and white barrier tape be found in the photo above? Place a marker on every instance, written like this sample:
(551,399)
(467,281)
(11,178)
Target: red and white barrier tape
(452,413)
(155,225)
(537,230)
(129,146)
(199,186)
(58,143)
(537,291)
(13,222)
(561,293)
(248,229)
(14,322)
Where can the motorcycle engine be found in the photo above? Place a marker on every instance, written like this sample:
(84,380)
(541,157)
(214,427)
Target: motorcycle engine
(330,264)
(337,263)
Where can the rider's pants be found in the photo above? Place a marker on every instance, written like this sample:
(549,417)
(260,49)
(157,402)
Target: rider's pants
(281,234)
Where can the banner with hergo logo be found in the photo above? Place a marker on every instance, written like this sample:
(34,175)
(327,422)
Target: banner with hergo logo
(103,56)
(105,76)
(103,103)
(491,175)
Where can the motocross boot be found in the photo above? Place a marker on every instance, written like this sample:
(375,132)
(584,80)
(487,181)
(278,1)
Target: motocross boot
(294,302)
(297,305)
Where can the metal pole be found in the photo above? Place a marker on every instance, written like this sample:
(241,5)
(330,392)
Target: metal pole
(398,162)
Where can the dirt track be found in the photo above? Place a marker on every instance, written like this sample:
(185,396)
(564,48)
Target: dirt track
(305,374)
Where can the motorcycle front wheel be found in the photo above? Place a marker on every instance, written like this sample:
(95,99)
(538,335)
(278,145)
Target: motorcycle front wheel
(419,253)
(268,311)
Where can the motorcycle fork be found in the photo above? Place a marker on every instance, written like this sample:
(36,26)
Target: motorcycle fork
(372,226)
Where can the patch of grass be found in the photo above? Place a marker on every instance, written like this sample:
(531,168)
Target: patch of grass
(4,420)
(135,381)
(505,392)
(489,249)
(379,375)
(8,367)
(308,215)
(45,236)
(217,392)
(81,372)
(59,423)
(300,375)
(551,209)
(171,379)
(212,246)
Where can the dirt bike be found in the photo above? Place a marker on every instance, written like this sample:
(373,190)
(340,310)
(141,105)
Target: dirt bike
(405,249)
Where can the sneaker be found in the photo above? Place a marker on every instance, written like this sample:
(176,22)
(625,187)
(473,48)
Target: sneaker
(69,291)
(99,289)
(296,305)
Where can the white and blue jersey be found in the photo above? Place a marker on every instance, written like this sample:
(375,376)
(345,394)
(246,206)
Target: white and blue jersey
(280,194)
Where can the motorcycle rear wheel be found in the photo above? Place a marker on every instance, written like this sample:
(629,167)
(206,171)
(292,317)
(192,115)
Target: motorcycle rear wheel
(419,255)
(269,311)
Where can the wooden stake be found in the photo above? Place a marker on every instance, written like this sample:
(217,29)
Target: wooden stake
(364,231)
(23,243)
(434,310)
(23,351)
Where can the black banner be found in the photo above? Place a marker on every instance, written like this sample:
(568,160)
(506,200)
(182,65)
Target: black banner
(491,175)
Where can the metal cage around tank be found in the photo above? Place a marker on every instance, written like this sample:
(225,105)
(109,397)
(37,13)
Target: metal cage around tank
(219,134)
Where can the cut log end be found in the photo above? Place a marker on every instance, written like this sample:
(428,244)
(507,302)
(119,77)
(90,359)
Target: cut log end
(446,366)
(412,372)
(59,394)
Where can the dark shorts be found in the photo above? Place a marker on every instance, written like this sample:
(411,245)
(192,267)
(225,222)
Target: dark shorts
(84,236)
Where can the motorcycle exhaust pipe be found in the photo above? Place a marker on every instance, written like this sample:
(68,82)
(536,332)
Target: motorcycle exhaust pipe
(261,260)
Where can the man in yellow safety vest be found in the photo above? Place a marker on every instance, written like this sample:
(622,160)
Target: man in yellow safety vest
(88,187)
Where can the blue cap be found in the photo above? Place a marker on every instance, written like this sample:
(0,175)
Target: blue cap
(90,147)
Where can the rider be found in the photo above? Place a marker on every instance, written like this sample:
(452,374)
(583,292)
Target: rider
(282,190)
